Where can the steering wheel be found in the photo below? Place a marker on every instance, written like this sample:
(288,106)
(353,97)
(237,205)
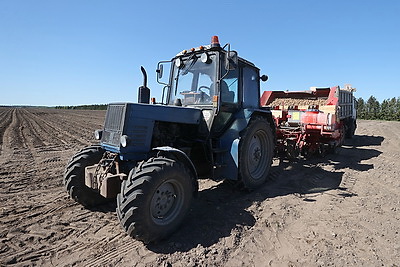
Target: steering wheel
(204,96)
(205,87)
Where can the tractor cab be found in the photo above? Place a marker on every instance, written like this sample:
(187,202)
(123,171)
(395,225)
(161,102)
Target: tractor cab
(211,78)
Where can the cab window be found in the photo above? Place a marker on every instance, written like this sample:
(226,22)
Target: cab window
(229,87)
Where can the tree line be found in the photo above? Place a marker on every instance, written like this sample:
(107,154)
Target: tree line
(372,109)
(88,107)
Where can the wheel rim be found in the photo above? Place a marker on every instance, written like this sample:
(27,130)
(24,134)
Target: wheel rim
(257,155)
(166,202)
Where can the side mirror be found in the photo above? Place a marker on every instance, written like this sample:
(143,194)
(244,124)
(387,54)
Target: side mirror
(160,70)
(231,60)
(264,78)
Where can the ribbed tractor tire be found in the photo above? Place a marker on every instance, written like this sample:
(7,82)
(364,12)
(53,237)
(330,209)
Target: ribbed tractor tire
(74,177)
(155,199)
(256,149)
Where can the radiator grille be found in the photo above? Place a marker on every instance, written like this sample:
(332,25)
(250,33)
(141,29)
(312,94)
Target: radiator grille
(114,124)
(114,118)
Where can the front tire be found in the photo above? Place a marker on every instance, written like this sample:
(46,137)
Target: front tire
(256,150)
(74,177)
(155,199)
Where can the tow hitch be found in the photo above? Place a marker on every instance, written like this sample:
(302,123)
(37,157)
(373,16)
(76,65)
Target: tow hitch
(105,176)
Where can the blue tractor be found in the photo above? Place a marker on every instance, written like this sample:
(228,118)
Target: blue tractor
(209,124)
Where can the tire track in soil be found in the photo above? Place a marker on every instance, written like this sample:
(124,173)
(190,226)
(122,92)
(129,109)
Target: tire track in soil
(103,238)
(18,157)
(45,134)
(23,140)
(5,121)
(47,149)
(32,131)
(14,166)
(83,124)
(114,250)
(60,130)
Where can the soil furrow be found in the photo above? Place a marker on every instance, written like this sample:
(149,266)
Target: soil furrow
(5,121)
(59,131)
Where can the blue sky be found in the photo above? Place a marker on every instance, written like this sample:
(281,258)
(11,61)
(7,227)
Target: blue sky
(86,52)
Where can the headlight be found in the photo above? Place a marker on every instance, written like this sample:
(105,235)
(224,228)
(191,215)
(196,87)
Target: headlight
(205,58)
(98,134)
(179,63)
(124,140)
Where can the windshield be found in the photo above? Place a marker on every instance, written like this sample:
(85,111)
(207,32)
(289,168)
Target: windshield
(193,80)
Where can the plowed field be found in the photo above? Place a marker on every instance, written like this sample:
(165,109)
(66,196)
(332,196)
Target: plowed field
(340,210)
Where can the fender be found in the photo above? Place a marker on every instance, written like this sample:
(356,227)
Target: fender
(181,156)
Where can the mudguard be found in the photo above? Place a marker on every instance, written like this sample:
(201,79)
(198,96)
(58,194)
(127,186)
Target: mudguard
(181,156)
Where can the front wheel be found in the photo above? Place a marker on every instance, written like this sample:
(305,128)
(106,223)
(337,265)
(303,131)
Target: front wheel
(256,150)
(74,177)
(155,199)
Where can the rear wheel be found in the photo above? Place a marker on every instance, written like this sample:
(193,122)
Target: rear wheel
(155,199)
(74,177)
(350,126)
(255,153)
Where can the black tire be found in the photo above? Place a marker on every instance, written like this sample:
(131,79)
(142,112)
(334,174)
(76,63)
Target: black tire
(350,128)
(256,150)
(354,127)
(155,199)
(74,177)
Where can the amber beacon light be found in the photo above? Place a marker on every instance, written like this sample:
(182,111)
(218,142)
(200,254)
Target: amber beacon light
(215,41)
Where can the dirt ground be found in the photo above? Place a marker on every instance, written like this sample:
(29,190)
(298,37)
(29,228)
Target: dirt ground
(340,210)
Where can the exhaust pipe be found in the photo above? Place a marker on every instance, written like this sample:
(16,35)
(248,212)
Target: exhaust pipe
(144,91)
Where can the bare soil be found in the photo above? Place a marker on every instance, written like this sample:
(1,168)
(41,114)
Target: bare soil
(340,210)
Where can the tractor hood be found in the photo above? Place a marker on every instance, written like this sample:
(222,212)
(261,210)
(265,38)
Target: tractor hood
(128,127)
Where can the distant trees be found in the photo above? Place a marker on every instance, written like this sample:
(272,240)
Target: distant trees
(90,107)
(388,110)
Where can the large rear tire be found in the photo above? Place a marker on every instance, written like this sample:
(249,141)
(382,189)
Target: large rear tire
(74,177)
(350,128)
(155,199)
(256,150)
